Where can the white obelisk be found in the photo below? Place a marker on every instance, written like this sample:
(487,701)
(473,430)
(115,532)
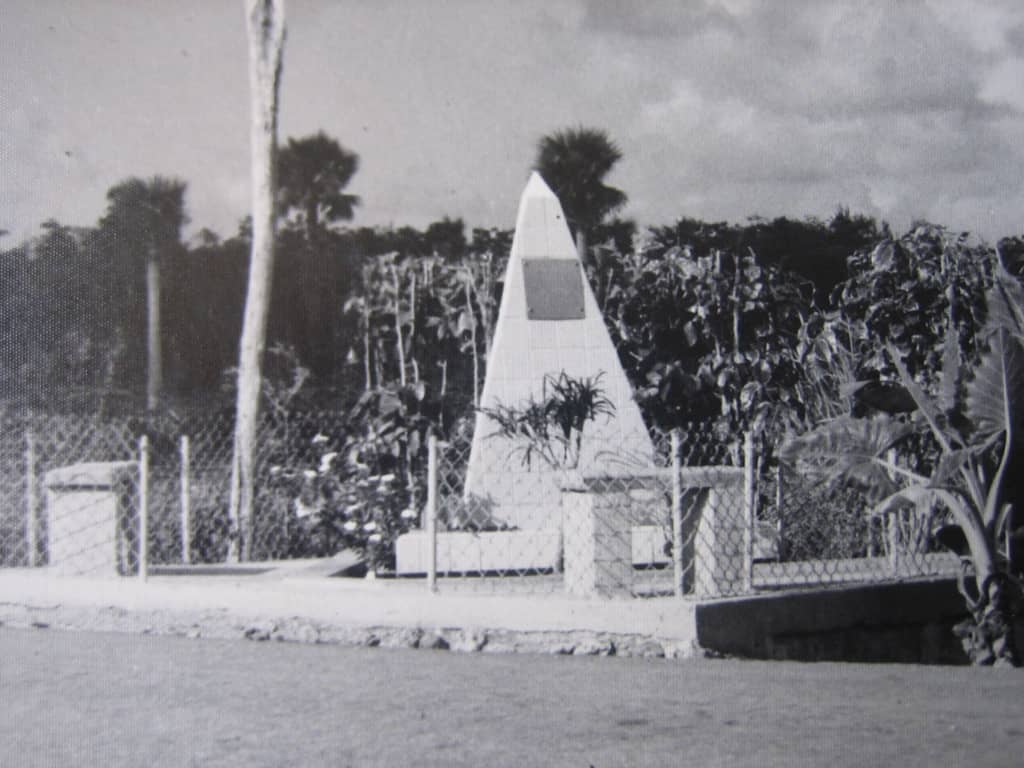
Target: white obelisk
(548,323)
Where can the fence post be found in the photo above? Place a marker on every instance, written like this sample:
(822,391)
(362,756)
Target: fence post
(749,509)
(677,516)
(431,515)
(143,507)
(31,501)
(186,501)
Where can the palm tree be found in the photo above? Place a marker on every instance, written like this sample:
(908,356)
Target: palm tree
(266,31)
(574,163)
(311,174)
(146,216)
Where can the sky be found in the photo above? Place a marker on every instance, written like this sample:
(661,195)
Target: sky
(723,110)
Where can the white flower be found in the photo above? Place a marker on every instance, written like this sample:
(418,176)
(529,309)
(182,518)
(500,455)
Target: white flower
(387,479)
(320,438)
(350,525)
(309,474)
(326,461)
(275,470)
(409,514)
(303,510)
(370,526)
(375,538)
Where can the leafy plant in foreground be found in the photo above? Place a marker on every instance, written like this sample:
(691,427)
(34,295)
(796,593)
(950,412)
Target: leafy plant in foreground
(975,422)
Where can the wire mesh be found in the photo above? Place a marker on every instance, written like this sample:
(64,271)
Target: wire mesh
(68,494)
(610,534)
(827,535)
(698,515)
(704,517)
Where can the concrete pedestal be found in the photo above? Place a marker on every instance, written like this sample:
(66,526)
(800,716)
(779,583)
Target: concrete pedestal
(608,526)
(92,527)
(597,541)
(719,541)
(498,552)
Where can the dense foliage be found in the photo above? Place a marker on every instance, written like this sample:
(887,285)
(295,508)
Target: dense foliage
(771,326)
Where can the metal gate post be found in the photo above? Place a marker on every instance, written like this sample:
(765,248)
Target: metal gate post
(31,500)
(186,502)
(143,507)
(677,517)
(431,513)
(749,510)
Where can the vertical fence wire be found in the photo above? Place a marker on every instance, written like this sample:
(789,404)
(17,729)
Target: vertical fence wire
(185,499)
(431,513)
(749,509)
(143,508)
(31,500)
(678,587)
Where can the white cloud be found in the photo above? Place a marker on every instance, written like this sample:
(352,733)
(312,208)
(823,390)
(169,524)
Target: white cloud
(723,109)
(1003,84)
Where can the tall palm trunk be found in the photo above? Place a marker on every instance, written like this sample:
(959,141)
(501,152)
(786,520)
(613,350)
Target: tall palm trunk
(154,350)
(266,43)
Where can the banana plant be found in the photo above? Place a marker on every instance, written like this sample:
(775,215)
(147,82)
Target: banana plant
(974,422)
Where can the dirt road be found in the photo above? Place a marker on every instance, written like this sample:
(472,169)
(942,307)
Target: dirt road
(74,698)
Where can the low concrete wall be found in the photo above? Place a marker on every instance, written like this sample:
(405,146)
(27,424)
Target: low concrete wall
(488,551)
(907,622)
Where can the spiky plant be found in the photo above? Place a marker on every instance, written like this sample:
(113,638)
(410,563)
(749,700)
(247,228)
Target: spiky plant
(551,428)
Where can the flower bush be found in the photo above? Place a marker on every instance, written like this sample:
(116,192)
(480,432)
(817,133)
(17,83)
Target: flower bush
(365,481)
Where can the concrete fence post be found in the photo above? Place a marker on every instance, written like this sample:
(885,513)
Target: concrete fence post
(143,507)
(431,513)
(678,588)
(186,501)
(31,500)
(749,509)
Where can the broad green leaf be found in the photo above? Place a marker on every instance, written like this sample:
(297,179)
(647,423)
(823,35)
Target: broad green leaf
(850,450)
(1005,301)
(996,391)
(964,513)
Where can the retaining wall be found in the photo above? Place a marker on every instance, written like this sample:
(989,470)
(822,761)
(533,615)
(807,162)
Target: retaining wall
(908,622)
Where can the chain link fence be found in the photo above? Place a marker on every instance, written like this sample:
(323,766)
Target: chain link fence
(703,516)
(693,513)
(71,485)
(827,535)
(662,517)
(70,494)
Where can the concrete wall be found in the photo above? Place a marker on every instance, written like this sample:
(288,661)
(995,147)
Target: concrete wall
(909,622)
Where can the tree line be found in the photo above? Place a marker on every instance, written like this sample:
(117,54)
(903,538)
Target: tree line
(711,319)
(76,311)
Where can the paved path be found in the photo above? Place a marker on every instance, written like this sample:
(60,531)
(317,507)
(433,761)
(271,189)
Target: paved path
(73,698)
(300,590)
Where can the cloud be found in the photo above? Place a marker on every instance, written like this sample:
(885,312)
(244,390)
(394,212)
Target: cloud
(723,108)
(902,110)
(657,18)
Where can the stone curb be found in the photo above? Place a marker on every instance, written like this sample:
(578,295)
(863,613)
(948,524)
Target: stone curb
(223,625)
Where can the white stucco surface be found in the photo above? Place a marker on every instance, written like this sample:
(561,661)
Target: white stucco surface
(523,352)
